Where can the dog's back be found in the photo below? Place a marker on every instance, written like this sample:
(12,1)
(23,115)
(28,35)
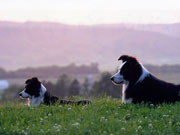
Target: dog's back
(79,102)
(154,90)
(52,100)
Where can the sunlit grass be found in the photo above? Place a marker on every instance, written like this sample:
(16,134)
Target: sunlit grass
(103,116)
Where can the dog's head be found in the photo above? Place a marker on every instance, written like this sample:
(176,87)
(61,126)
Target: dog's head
(32,88)
(129,71)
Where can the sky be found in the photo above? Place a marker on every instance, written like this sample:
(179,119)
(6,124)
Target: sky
(91,11)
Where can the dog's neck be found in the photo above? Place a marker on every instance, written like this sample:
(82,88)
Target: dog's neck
(127,84)
(124,88)
(144,74)
(36,101)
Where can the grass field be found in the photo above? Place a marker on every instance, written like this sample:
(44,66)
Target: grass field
(105,116)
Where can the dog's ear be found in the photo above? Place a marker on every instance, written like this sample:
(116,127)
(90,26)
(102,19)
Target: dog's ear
(124,58)
(34,79)
(27,81)
(127,58)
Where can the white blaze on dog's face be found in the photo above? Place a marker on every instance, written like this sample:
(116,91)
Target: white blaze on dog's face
(118,78)
(32,88)
(23,94)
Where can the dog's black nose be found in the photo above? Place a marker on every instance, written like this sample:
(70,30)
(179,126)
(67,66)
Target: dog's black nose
(112,78)
(20,94)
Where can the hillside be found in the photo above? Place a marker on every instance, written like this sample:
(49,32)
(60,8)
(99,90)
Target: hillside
(43,43)
(168,29)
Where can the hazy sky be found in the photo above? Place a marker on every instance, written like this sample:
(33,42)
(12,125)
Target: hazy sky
(91,11)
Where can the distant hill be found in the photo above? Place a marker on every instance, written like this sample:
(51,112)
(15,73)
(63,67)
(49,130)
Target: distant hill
(44,43)
(168,29)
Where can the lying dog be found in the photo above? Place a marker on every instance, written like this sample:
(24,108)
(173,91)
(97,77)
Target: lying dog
(141,86)
(37,93)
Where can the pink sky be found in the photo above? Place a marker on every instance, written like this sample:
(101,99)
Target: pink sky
(91,11)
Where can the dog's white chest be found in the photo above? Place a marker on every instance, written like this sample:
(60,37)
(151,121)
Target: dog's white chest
(124,99)
(36,101)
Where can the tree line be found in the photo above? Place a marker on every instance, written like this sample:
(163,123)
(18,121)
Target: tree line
(67,87)
(72,69)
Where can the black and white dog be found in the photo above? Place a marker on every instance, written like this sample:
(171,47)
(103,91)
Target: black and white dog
(38,94)
(140,86)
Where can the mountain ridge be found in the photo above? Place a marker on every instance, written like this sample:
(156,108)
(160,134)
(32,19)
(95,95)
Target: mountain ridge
(46,43)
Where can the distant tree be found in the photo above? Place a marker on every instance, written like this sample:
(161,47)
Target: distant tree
(62,85)
(49,86)
(11,93)
(3,73)
(74,88)
(105,86)
(85,87)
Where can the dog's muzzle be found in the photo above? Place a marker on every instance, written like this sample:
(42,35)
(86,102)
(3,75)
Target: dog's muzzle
(116,80)
(24,95)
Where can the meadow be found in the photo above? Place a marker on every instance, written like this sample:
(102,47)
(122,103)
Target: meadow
(105,116)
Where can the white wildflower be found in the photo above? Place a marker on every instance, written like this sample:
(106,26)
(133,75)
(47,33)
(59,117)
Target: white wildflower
(150,125)
(140,121)
(41,119)
(165,116)
(41,131)
(139,127)
(102,118)
(76,124)
(104,132)
(123,129)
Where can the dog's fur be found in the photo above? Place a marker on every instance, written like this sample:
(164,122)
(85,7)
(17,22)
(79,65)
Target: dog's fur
(38,94)
(140,86)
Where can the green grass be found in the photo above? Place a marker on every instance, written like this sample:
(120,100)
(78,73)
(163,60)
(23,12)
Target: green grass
(105,116)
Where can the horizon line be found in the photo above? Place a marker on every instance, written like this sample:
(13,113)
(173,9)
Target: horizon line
(84,24)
